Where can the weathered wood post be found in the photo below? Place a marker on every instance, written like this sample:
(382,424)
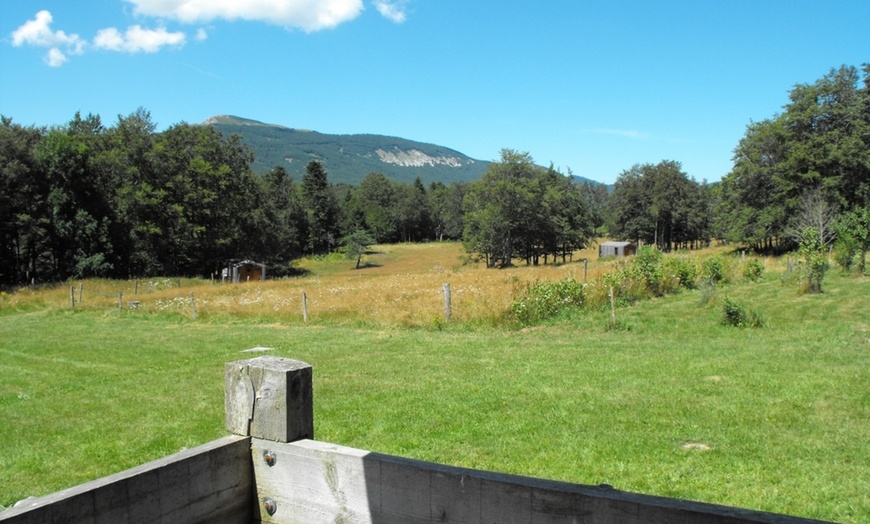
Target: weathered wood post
(81,291)
(304,307)
(72,296)
(448,312)
(612,308)
(270,398)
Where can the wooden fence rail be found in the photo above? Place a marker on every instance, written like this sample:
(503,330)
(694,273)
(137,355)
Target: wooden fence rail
(271,471)
(209,483)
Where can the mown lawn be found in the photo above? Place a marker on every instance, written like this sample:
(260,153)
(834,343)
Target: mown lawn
(674,404)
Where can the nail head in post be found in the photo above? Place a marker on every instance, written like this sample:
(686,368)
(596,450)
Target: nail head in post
(269,457)
(270,506)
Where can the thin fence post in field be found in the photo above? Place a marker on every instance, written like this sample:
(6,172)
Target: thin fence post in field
(585,268)
(120,300)
(179,282)
(81,290)
(304,307)
(612,308)
(193,305)
(72,296)
(447,305)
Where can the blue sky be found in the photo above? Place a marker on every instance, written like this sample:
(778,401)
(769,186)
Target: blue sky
(594,87)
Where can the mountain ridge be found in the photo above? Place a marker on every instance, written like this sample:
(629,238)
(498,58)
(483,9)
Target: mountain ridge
(348,158)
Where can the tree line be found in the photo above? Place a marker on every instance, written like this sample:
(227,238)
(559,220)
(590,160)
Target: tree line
(87,200)
(804,166)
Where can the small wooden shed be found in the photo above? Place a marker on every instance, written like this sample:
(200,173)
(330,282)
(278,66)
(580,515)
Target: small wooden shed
(247,270)
(617,249)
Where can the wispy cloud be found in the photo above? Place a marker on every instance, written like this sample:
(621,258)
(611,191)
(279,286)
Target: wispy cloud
(308,15)
(137,40)
(626,133)
(38,33)
(202,71)
(394,10)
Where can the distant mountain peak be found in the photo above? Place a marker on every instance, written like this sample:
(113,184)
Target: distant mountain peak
(349,158)
(236,121)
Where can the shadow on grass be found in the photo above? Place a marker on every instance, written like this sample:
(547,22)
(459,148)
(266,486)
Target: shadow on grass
(289,272)
(366,265)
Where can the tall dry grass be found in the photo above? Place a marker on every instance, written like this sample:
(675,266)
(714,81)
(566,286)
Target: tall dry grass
(402,284)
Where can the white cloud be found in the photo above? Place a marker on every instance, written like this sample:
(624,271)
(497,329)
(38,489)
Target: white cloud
(627,133)
(308,15)
(55,57)
(109,38)
(392,10)
(201,35)
(38,33)
(137,40)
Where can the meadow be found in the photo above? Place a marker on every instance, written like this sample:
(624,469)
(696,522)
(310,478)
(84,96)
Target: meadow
(671,403)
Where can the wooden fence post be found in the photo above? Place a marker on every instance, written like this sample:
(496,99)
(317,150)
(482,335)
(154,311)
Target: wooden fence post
(120,300)
(72,296)
(193,305)
(612,308)
(81,291)
(304,307)
(447,306)
(270,398)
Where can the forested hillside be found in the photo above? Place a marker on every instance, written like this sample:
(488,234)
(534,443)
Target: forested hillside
(349,158)
(89,200)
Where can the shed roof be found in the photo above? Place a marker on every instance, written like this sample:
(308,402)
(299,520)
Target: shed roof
(617,244)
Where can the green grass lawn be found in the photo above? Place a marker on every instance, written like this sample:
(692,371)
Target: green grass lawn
(674,404)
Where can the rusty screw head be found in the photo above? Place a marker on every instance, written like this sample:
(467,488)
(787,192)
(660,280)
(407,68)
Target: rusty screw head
(270,506)
(269,457)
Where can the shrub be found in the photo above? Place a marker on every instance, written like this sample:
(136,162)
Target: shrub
(815,263)
(546,299)
(753,269)
(714,270)
(846,254)
(648,266)
(628,284)
(738,315)
(682,270)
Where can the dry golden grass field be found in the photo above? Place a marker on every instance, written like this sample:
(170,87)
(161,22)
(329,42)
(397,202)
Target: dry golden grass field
(400,284)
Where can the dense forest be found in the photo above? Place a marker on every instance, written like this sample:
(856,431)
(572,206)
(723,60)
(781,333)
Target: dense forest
(87,200)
